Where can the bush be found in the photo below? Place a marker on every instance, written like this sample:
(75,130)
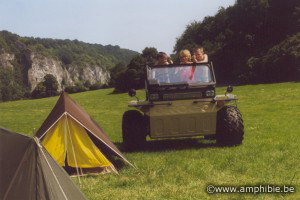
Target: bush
(87,84)
(39,91)
(79,87)
(96,86)
(71,89)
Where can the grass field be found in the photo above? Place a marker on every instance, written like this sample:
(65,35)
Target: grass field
(182,169)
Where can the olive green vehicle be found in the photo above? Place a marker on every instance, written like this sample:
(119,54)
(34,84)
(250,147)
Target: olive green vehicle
(181,101)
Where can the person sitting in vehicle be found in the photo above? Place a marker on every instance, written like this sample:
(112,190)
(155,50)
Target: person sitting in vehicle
(186,73)
(161,74)
(199,55)
(185,56)
(163,59)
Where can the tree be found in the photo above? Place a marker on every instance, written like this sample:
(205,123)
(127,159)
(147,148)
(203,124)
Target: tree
(51,85)
(9,87)
(115,73)
(150,54)
(66,56)
(47,88)
(280,63)
(135,74)
(242,40)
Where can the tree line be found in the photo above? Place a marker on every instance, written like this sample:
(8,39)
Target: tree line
(253,41)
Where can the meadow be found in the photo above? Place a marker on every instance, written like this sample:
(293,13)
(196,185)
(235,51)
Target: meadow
(182,169)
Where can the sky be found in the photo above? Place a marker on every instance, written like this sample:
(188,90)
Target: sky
(130,24)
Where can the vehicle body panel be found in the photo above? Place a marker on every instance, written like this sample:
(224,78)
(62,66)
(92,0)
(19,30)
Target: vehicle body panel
(182,118)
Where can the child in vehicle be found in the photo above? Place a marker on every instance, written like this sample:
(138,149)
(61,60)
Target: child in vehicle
(199,55)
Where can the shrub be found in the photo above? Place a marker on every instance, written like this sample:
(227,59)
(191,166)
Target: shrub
(71,89)
(96,86)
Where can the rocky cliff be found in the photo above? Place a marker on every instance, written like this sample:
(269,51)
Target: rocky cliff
(25,61)
(39,66)
(6,60)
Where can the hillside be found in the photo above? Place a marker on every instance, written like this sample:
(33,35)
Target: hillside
(182,169)
(253,41)
(25,61)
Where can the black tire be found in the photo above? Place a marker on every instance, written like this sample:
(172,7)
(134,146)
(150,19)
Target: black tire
(133,130)
(230,126)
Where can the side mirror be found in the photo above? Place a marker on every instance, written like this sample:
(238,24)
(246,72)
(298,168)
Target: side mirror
(132,92)
(229,89)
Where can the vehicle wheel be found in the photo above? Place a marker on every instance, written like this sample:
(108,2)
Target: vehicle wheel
(230,126)
(133,130)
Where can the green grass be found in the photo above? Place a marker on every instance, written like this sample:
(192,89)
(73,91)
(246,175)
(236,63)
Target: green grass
(181,169)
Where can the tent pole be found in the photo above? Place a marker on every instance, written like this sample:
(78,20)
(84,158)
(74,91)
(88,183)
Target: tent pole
(36,172)
(73,151)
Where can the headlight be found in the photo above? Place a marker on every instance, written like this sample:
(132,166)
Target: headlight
(154,97)
(210,93)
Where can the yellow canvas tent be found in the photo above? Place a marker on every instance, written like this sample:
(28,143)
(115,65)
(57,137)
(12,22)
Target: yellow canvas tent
(75,140)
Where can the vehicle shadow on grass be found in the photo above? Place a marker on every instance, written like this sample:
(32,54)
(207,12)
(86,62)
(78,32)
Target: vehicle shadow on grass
(172,144)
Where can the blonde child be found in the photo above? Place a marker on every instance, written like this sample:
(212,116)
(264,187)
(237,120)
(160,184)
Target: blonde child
(185,56)
(199,55)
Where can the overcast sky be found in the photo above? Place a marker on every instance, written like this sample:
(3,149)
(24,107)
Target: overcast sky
(131,24)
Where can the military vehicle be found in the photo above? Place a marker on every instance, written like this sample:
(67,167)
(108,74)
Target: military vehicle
(181,102)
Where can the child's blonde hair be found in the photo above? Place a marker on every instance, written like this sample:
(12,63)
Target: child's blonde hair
(185,52)
(201,49)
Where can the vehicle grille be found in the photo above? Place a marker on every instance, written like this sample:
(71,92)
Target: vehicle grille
(176,96)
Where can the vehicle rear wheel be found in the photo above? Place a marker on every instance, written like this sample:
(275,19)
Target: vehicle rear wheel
(230,126)
(133,130)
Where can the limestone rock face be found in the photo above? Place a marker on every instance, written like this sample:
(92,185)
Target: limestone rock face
(91,73)
(6,60)
(41,65)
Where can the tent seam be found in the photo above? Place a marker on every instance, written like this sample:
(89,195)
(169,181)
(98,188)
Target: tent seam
(72,148)
(53,124)
(40,146)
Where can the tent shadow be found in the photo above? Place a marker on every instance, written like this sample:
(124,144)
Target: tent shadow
(173,144)
(117,92)
(118,163)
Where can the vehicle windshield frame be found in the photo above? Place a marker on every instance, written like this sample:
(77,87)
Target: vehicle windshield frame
(195,81)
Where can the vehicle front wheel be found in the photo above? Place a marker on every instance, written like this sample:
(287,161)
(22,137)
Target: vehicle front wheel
(230,126)
(133,130)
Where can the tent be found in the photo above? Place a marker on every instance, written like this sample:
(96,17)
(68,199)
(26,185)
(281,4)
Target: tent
(75,140)
(28,172)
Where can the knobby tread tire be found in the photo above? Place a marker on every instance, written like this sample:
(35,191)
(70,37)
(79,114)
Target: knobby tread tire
(230,126)
(133,130)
